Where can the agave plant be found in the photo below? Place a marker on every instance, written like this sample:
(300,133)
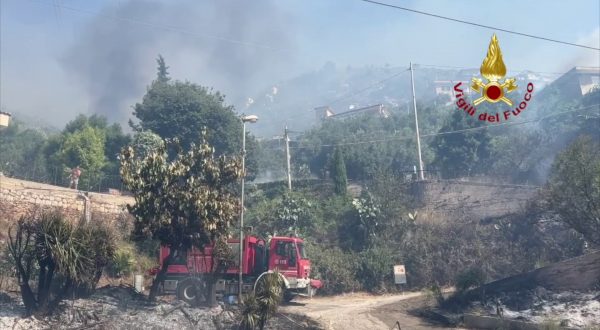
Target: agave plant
(76,252)
(250,312)
(261,304)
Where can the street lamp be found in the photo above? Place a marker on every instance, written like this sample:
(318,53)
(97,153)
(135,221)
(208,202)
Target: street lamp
(245,119)
(4,119)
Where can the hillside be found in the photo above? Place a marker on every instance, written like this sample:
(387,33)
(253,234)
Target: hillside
(292,101)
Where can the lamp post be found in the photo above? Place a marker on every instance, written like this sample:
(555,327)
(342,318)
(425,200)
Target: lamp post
(245,119)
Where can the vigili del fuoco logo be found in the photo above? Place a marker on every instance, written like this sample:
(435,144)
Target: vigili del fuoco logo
(493,88)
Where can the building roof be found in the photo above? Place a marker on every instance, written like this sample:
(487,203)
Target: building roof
(585,70)
(578,81)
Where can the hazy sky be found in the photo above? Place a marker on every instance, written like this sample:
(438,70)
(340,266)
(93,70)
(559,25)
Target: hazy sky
(63,57)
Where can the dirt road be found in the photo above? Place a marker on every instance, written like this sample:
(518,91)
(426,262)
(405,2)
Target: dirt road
(362,311)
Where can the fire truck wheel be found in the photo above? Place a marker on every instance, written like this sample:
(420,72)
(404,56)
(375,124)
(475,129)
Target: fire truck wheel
(191,290)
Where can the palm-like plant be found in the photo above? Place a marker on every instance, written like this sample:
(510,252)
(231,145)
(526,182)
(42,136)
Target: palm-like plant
(77,252)
(260,305)
(250,312)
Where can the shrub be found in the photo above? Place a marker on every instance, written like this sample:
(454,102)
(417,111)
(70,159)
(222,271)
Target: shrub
(123,263)
(434,292)
(128,259)
(375,269)
(470,278)
(261,304)
(336,268)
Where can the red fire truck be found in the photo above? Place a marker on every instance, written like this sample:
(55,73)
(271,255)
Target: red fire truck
(286,254)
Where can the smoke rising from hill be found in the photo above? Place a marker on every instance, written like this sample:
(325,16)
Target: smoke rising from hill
(235,47)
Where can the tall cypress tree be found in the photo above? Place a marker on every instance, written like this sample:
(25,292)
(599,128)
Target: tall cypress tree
(163,74)
(338,173)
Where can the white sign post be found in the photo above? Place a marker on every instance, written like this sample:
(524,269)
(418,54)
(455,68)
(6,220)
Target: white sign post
(399,274)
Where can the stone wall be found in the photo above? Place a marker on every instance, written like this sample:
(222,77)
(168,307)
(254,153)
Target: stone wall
(18,197)
(455,199)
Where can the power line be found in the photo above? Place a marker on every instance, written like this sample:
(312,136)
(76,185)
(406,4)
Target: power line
(160,26)
(448,132)
(478,25)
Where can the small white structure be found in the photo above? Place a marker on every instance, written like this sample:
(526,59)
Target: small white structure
(138,283)
(4,119)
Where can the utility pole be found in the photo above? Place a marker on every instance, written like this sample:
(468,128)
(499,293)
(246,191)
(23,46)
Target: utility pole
(412,82)
(245,119)
(287,157)
(241,270)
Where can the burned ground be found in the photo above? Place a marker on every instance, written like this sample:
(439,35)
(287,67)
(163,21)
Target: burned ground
(120,307)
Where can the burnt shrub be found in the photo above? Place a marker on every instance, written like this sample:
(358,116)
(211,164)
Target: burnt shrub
(470,278)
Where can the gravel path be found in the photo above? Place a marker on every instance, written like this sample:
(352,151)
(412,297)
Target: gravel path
(362,311)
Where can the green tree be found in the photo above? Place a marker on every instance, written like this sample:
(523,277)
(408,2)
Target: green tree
(462,153)
(163,73)
(185,202)
(84,148)
(338,173)
(21,154)
(293,214)
(516,154)
(368,220)
(377,144)
(145,142)
(175,109)
(114,139)
(574,187)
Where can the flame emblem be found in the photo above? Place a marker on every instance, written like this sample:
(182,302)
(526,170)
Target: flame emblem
(493,70)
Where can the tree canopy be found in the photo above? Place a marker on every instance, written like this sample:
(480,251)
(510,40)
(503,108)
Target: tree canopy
(84,148)
(461,154)
(338,173)
(21,150)
(185,202)
(574,187)
(182,110)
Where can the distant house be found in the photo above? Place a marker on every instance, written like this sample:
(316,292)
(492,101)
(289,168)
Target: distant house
(323,112)
(446,87)
(378,110)
(578,81)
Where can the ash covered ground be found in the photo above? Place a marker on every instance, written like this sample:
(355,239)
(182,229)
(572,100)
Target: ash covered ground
(122,308)
(567,308)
